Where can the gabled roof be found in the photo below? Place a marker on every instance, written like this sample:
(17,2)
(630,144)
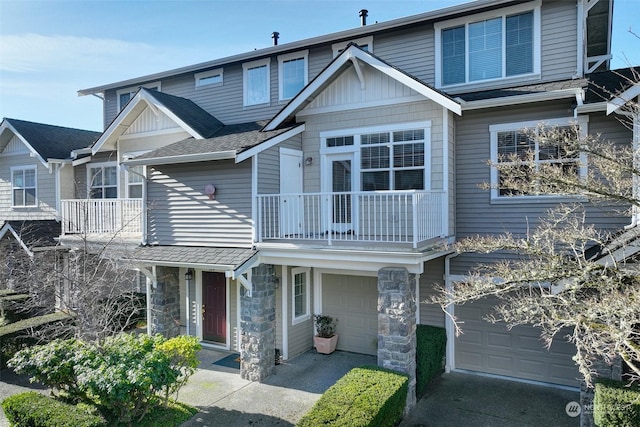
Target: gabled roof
(46,142)
(32,234)
(605,85)
(226,143)
(197,257)
(351,57)
(184,112)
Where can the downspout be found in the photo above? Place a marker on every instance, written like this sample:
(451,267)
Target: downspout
(450,358)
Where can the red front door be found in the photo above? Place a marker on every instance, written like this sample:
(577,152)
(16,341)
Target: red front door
(214,307)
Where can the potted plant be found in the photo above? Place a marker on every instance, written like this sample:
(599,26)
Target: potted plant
(326,338)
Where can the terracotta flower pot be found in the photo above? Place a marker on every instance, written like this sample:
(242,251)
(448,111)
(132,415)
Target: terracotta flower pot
(325,345)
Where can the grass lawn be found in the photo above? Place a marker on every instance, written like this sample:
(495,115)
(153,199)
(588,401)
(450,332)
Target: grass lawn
(174,415)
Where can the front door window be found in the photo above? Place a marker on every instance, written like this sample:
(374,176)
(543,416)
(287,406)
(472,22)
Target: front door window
(341,188)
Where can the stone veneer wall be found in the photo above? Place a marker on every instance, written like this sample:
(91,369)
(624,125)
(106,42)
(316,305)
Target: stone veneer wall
(397,325)
(257,325)
(165,303)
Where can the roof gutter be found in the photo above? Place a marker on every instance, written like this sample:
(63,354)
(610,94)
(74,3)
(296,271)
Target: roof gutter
(519,99)
(440,14)
(186,158)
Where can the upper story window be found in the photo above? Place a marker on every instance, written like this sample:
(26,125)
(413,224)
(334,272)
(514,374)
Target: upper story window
(125,95)
(489,46)
(209,78)
(23,186)
(300,295)
(364,43)
(527,146)
(393,160)
(379,158)
(257,82)
(292,73)
(103,180)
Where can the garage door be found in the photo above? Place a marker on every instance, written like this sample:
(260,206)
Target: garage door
(491,348)
(353,300)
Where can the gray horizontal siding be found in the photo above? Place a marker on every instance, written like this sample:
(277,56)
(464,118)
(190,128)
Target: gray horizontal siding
(475,214)
(269,166)
(179,213)
(45,190)
(559,39)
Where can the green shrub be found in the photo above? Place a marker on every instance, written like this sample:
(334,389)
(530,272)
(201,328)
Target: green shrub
(365,396)
(431,344)
(123,375)
(616,405)
(183,353)
(36,410)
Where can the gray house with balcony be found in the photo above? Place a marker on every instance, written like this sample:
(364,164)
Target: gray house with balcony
(329,175)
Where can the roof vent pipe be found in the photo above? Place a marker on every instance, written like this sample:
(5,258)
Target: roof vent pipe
(363,16)
(275,36)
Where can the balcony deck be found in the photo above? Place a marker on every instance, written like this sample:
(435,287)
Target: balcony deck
(383,218)
(102,219)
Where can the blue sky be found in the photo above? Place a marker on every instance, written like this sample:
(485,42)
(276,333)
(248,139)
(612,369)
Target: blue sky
(51,49)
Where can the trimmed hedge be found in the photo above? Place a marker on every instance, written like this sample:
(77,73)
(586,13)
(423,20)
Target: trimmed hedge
(365,396)
(431,344)
(615,404)
(37,410)
(33,322)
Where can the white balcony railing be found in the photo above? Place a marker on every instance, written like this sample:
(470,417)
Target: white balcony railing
(408,217)
(101,216)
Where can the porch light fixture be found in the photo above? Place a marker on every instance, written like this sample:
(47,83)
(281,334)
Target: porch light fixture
(188,276)
(308,161)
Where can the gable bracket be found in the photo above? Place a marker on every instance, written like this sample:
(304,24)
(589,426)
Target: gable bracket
(245,281)
(358,68)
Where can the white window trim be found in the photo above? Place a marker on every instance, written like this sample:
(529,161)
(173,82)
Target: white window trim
(23,168)
(500,13)
(91,166)
(255,64)
(133,89)
(339,47)
(200,78)
(307,272)
(581,121)
(281,60)
(127,174)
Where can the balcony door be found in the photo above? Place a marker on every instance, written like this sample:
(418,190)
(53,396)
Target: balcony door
(291,200)
(341,185)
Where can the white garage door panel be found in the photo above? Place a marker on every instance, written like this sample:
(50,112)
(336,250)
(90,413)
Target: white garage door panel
(519,352)
(353,300)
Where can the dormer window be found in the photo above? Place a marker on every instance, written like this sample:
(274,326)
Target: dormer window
(490,46)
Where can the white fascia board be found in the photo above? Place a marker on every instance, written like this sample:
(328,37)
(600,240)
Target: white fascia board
(194,265)
(421,88)
(32,152)
(343,259)
(270,143)
(8,228)
(81,161)
(247,265)
(521,99)
(620,100)
(187,158)
(337,64)
(117,127)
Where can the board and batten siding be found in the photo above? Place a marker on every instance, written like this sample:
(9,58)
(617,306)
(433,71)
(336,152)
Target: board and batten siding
(431,314)
(45,190)
(180,213)
(476,213)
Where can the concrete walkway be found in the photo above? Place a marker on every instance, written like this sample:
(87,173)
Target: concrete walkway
(454,399)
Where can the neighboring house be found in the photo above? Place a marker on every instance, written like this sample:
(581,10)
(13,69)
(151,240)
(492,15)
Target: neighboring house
(36,172)
(327,176)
